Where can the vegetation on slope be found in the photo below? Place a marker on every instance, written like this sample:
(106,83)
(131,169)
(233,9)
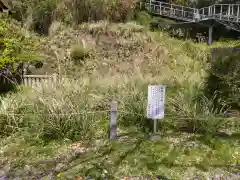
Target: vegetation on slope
(17,51)
(39,15)
(60,131)
(15,46)
(224,77)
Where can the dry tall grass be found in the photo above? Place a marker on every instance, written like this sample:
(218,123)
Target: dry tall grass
(39,15)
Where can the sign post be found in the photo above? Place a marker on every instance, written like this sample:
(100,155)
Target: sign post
(113,120)
(156,103)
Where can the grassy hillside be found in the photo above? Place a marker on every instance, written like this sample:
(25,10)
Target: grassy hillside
(60,131)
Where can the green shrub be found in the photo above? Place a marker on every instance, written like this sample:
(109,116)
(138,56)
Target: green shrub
(7,88)
(79,53)
(143,18)
(191,111)
(15,51)
(43,15)
(224,78)
(37,15)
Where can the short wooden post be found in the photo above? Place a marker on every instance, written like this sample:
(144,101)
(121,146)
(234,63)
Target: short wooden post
(54,76)
(113,120)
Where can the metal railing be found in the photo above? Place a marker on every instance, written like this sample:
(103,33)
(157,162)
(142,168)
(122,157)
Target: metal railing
(222,12)
(171,10)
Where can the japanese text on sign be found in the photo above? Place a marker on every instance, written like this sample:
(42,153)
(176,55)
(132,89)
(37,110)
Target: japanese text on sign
(156,101)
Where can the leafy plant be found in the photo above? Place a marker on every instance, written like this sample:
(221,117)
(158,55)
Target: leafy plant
(15,51)
(224,79)
(78,53)
(143,18)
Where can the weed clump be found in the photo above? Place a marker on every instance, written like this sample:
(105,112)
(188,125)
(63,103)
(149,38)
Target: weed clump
(223,79)
(79,53)
(53,112)
(143,18)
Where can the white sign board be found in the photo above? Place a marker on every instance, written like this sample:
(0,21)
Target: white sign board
(156,101)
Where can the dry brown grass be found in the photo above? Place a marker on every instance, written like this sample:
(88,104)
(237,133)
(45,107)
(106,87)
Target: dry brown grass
(126,49)
(39,15)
